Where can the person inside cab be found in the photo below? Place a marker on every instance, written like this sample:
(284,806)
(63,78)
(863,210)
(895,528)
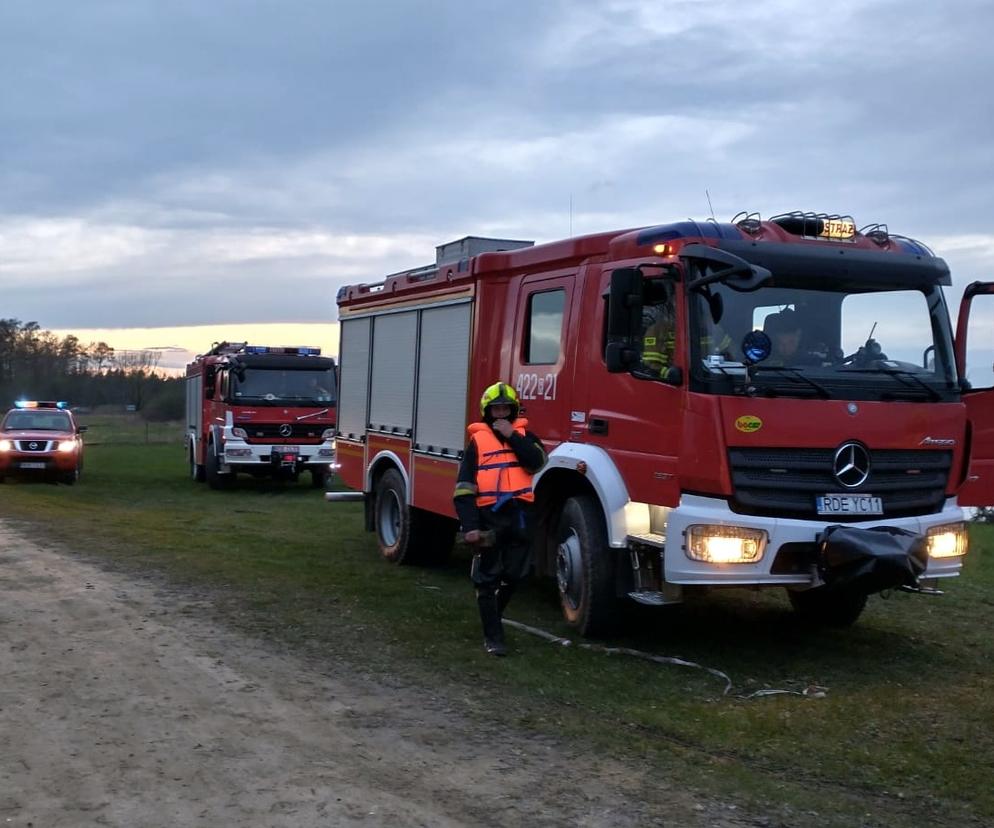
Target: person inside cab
(785,333)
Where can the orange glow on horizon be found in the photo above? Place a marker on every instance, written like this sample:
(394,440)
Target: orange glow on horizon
(178,345)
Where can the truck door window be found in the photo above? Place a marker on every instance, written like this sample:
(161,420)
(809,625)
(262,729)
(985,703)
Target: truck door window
(543,334)
(979,343)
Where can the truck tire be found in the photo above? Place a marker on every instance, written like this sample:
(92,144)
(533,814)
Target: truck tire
(585,568)
(197,472)
(70,478)
(319,478)
(406,535)
(394,520)
(215,479)
(828,607)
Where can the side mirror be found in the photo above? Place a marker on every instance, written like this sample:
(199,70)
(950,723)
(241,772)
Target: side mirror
(620,357)
(81,429)
(624,306)
(624,319)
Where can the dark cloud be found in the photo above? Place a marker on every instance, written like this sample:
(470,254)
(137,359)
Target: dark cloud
(190,162)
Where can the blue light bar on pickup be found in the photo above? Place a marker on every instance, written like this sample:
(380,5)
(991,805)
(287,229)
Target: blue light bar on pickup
(40,404)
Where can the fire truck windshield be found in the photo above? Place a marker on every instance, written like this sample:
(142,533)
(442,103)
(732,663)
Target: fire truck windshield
(281,386)
(875,343)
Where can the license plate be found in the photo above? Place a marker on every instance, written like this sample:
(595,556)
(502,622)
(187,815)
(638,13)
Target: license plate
(32,465)
(287,449)
(849,504)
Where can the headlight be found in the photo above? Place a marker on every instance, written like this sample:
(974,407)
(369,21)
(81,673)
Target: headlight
(241,433)
(947,541)
(327,434)
(65,446)
(725,544)
(6,445)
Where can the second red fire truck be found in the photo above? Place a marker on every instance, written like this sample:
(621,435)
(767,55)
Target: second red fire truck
(260,410)
(762,403)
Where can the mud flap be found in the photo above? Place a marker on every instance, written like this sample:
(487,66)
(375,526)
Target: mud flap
(870,560)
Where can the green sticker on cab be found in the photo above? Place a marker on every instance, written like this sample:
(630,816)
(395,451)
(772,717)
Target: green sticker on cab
(748,423)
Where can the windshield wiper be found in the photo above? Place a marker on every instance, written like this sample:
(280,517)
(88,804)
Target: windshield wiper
(901,375)
(823,392)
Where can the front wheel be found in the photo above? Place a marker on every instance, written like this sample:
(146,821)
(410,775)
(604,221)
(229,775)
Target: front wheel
(215,479)
(319,478)
(829,607)
(585,568)
(197,473)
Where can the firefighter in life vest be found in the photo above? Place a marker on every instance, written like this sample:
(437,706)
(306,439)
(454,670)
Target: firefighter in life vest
(493,499)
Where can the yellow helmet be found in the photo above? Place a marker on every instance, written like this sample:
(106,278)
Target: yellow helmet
(500,393)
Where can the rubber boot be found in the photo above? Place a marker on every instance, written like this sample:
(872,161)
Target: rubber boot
(504,596)
(493,630)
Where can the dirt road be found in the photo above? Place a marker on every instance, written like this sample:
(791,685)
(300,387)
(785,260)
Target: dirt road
(122,705)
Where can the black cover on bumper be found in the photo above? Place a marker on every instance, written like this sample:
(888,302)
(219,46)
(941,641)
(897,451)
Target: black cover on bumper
(870,560)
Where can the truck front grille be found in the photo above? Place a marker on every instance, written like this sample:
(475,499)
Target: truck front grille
(270,432)
(775,481)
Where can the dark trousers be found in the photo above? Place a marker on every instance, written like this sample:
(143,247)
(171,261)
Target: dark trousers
(499,566)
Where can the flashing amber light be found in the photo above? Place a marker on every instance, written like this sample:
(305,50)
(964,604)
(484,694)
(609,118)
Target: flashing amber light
(662,249)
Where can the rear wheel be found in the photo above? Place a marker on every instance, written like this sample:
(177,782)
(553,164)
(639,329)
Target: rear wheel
(408,536)
(827,606)
(585,568)
(393,519)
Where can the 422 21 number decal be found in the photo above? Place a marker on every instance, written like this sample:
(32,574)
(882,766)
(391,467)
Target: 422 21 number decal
(536,386)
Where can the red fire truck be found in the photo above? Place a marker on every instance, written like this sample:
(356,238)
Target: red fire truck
(693,441)
(260,410)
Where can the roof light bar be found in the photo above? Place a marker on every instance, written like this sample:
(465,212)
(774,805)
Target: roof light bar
(40,404)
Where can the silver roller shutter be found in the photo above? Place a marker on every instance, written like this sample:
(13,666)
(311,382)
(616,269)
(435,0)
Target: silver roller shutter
(443,370)
(391,399)
(353,364)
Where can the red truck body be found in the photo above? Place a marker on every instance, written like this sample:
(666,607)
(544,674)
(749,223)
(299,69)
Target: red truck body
(260,410)
(725,469)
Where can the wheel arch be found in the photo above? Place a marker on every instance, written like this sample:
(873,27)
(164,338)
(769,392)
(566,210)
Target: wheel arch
(579,468)
(378,466)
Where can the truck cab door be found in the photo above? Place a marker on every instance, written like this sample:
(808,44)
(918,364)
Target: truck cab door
(975,363)
(542,342)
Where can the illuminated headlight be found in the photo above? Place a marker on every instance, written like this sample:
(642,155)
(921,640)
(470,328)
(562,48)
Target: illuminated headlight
(947,541)
(65,446)
(240,433)
(6,445)
(327,434)
(725,544)
(237,452)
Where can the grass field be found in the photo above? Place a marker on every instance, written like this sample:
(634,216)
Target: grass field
(128,428)
(902,736)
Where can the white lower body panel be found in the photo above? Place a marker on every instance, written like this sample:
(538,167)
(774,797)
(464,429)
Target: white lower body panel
(693,509)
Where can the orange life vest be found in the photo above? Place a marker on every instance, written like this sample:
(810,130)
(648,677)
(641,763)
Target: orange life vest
(499,475)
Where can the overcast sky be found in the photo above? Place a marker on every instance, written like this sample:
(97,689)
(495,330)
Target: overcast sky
(177,163)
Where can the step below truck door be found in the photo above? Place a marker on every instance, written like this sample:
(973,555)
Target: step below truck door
(975,362)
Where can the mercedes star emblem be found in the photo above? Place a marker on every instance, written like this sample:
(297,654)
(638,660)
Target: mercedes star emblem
(286,430)
(851,465)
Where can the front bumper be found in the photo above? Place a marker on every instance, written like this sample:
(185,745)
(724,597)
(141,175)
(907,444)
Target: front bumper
(35,463)
(785,560)
(242,456)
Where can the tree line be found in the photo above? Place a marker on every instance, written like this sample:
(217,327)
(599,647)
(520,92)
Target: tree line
(36,364)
